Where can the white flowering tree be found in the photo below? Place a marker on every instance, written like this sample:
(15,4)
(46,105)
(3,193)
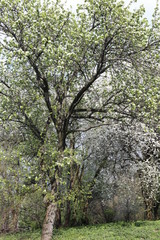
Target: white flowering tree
(128,158)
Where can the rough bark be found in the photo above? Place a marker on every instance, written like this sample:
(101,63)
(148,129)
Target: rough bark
(49,221)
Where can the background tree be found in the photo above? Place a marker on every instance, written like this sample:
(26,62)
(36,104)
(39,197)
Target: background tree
(10,178)
(126,159)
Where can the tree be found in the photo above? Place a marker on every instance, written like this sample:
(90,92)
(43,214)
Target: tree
(13,182)
(61,71)
(124,160)
(10,176)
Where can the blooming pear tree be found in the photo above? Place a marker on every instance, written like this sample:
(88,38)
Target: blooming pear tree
(61,72)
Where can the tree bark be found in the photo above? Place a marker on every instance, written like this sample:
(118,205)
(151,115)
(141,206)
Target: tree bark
(15,214)
(49,221)
(67,214)
(53,214)
(149,210)
(155,211)
(58,221)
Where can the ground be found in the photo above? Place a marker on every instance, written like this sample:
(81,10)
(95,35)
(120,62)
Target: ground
(140,230)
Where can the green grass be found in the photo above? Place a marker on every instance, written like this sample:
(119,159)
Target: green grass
(22,236)
(113,231)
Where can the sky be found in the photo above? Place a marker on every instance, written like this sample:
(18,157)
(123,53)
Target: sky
(148,4)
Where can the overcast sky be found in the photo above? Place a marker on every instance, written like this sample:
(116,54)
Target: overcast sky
(149,5)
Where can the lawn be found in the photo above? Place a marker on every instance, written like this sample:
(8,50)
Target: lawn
(140,230)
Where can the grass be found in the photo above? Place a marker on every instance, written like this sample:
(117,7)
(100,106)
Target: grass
(141,230)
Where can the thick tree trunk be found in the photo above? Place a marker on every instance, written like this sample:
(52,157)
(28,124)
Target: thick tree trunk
(49,221)
(53,214)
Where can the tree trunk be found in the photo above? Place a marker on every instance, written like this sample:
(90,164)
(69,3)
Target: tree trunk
(49,221)
(58,222)
(149,210)
(67,214)
(53,214)
(15,216)
(155,211)
(5,224)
